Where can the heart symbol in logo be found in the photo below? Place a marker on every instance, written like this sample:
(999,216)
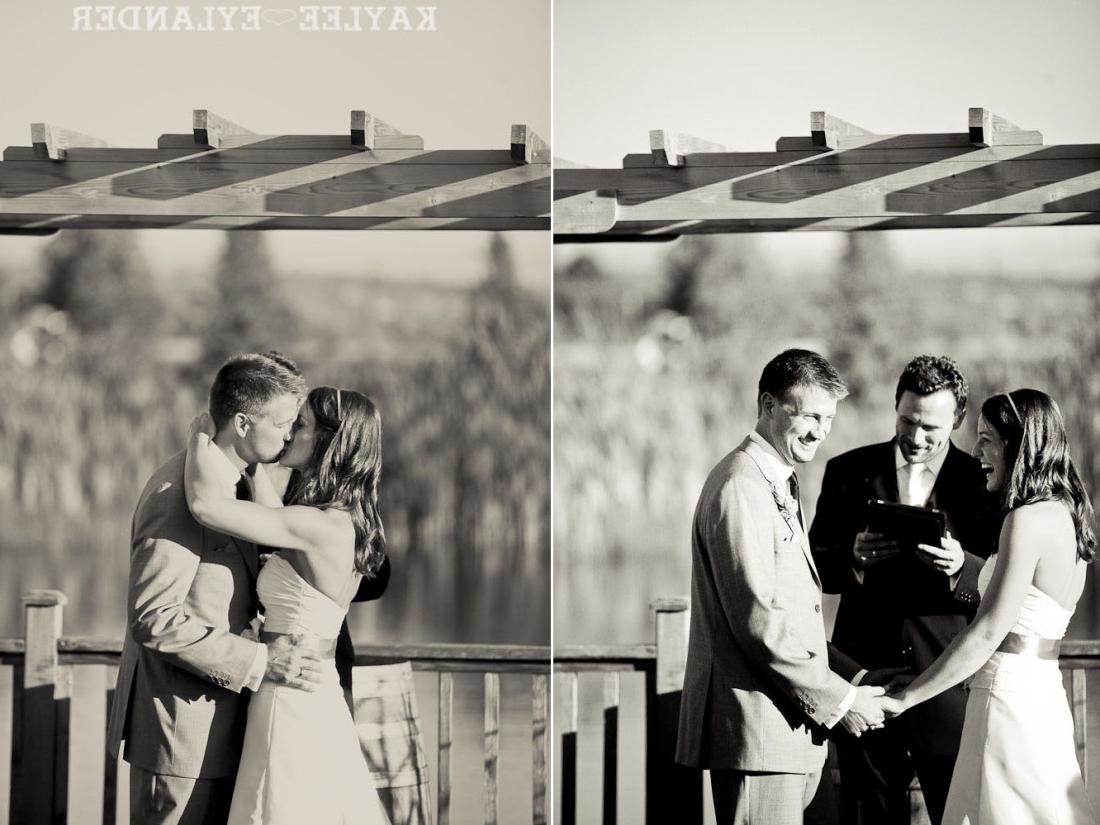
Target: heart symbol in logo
(278,17)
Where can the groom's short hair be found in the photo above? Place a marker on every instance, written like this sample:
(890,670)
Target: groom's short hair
(799,368)
(247,382)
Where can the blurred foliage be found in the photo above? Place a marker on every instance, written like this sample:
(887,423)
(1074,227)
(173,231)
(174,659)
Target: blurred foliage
(248,311)
(642,414)
(98,397)
(102,283)
(865,322)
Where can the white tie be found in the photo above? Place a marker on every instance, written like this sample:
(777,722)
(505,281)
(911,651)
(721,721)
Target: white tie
(918,492)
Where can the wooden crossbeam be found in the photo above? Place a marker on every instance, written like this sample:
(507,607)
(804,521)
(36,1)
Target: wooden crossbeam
(53,142)
(276,181)
(370,133)
(826,130)
(989,129)
(867,181)
(669,148)
(586,213)
(39,224)
(527,147)
(211,130)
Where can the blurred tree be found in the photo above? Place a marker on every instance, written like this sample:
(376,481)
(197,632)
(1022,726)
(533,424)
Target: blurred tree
(683,274)
(1075,385)
(864,325)
(733,288)
(101,280)
(499,426)
(249,312)
(575,286)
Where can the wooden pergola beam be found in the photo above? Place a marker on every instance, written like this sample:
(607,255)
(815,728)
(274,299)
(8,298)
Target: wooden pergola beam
(276,181)
(527,147)
(670,148)
(49,224)
(864,181)
(989,129)
(53,142)
(212,130)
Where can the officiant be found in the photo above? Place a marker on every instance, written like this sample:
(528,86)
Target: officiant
(901,605)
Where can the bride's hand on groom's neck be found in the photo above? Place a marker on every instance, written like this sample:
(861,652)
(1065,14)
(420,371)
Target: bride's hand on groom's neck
(201,426)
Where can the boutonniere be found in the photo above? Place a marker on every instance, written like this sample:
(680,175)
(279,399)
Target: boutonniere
(787,506)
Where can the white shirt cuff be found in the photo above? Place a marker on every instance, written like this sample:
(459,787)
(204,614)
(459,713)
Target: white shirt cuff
(859,677)
(258,669)
(843,708)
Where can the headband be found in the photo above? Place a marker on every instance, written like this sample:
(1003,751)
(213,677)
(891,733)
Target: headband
(1015,412)
(339,414)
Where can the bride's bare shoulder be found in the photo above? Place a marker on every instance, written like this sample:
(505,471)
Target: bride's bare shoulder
(1040,518)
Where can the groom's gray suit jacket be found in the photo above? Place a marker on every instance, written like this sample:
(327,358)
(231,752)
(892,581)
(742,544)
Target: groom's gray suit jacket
(758,683)
(178,702)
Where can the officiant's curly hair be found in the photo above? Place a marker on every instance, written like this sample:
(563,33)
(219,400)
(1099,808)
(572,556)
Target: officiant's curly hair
(1037,456)
(927,374)
(345,468)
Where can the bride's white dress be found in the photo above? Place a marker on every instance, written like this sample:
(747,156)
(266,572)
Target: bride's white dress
(1017,764)
(302,761)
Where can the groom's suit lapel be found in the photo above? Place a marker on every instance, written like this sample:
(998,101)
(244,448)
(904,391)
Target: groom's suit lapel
(753,451)
(249,552)
(250,555)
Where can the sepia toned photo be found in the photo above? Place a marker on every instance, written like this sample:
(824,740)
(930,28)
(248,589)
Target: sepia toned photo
(825,291)
(275,436)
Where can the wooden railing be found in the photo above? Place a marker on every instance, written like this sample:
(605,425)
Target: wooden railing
(42,690)
(674,793)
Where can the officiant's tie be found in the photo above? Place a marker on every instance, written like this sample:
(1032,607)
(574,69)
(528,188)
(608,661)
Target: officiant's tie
(918,477)
(792,487)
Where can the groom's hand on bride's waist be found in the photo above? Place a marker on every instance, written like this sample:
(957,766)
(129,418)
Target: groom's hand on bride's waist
(292,665)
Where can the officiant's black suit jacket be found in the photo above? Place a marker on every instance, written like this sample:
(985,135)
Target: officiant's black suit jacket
(904,612)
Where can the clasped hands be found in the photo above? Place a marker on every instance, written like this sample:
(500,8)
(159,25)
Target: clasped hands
(292,664)
(873,703)
(871,548)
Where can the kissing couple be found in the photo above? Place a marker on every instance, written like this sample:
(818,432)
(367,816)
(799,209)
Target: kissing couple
(220,726)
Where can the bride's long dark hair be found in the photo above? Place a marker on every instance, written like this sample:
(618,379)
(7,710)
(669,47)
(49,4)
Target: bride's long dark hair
(345,468)
(1038,460)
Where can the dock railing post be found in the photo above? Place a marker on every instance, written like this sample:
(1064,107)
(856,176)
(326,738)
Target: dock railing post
(41,733)
(673,793)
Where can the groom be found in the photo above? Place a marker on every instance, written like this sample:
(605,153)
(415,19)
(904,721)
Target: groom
(186,667)
(758,685)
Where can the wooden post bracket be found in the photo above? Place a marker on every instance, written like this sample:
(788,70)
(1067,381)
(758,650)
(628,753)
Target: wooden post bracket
(826,130)
(211,130)
(527,147)
(669,148)
(53,142)
(370,132)
(989,129)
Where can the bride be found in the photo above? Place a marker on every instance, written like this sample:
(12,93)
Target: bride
(302,760)
(1017,762)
